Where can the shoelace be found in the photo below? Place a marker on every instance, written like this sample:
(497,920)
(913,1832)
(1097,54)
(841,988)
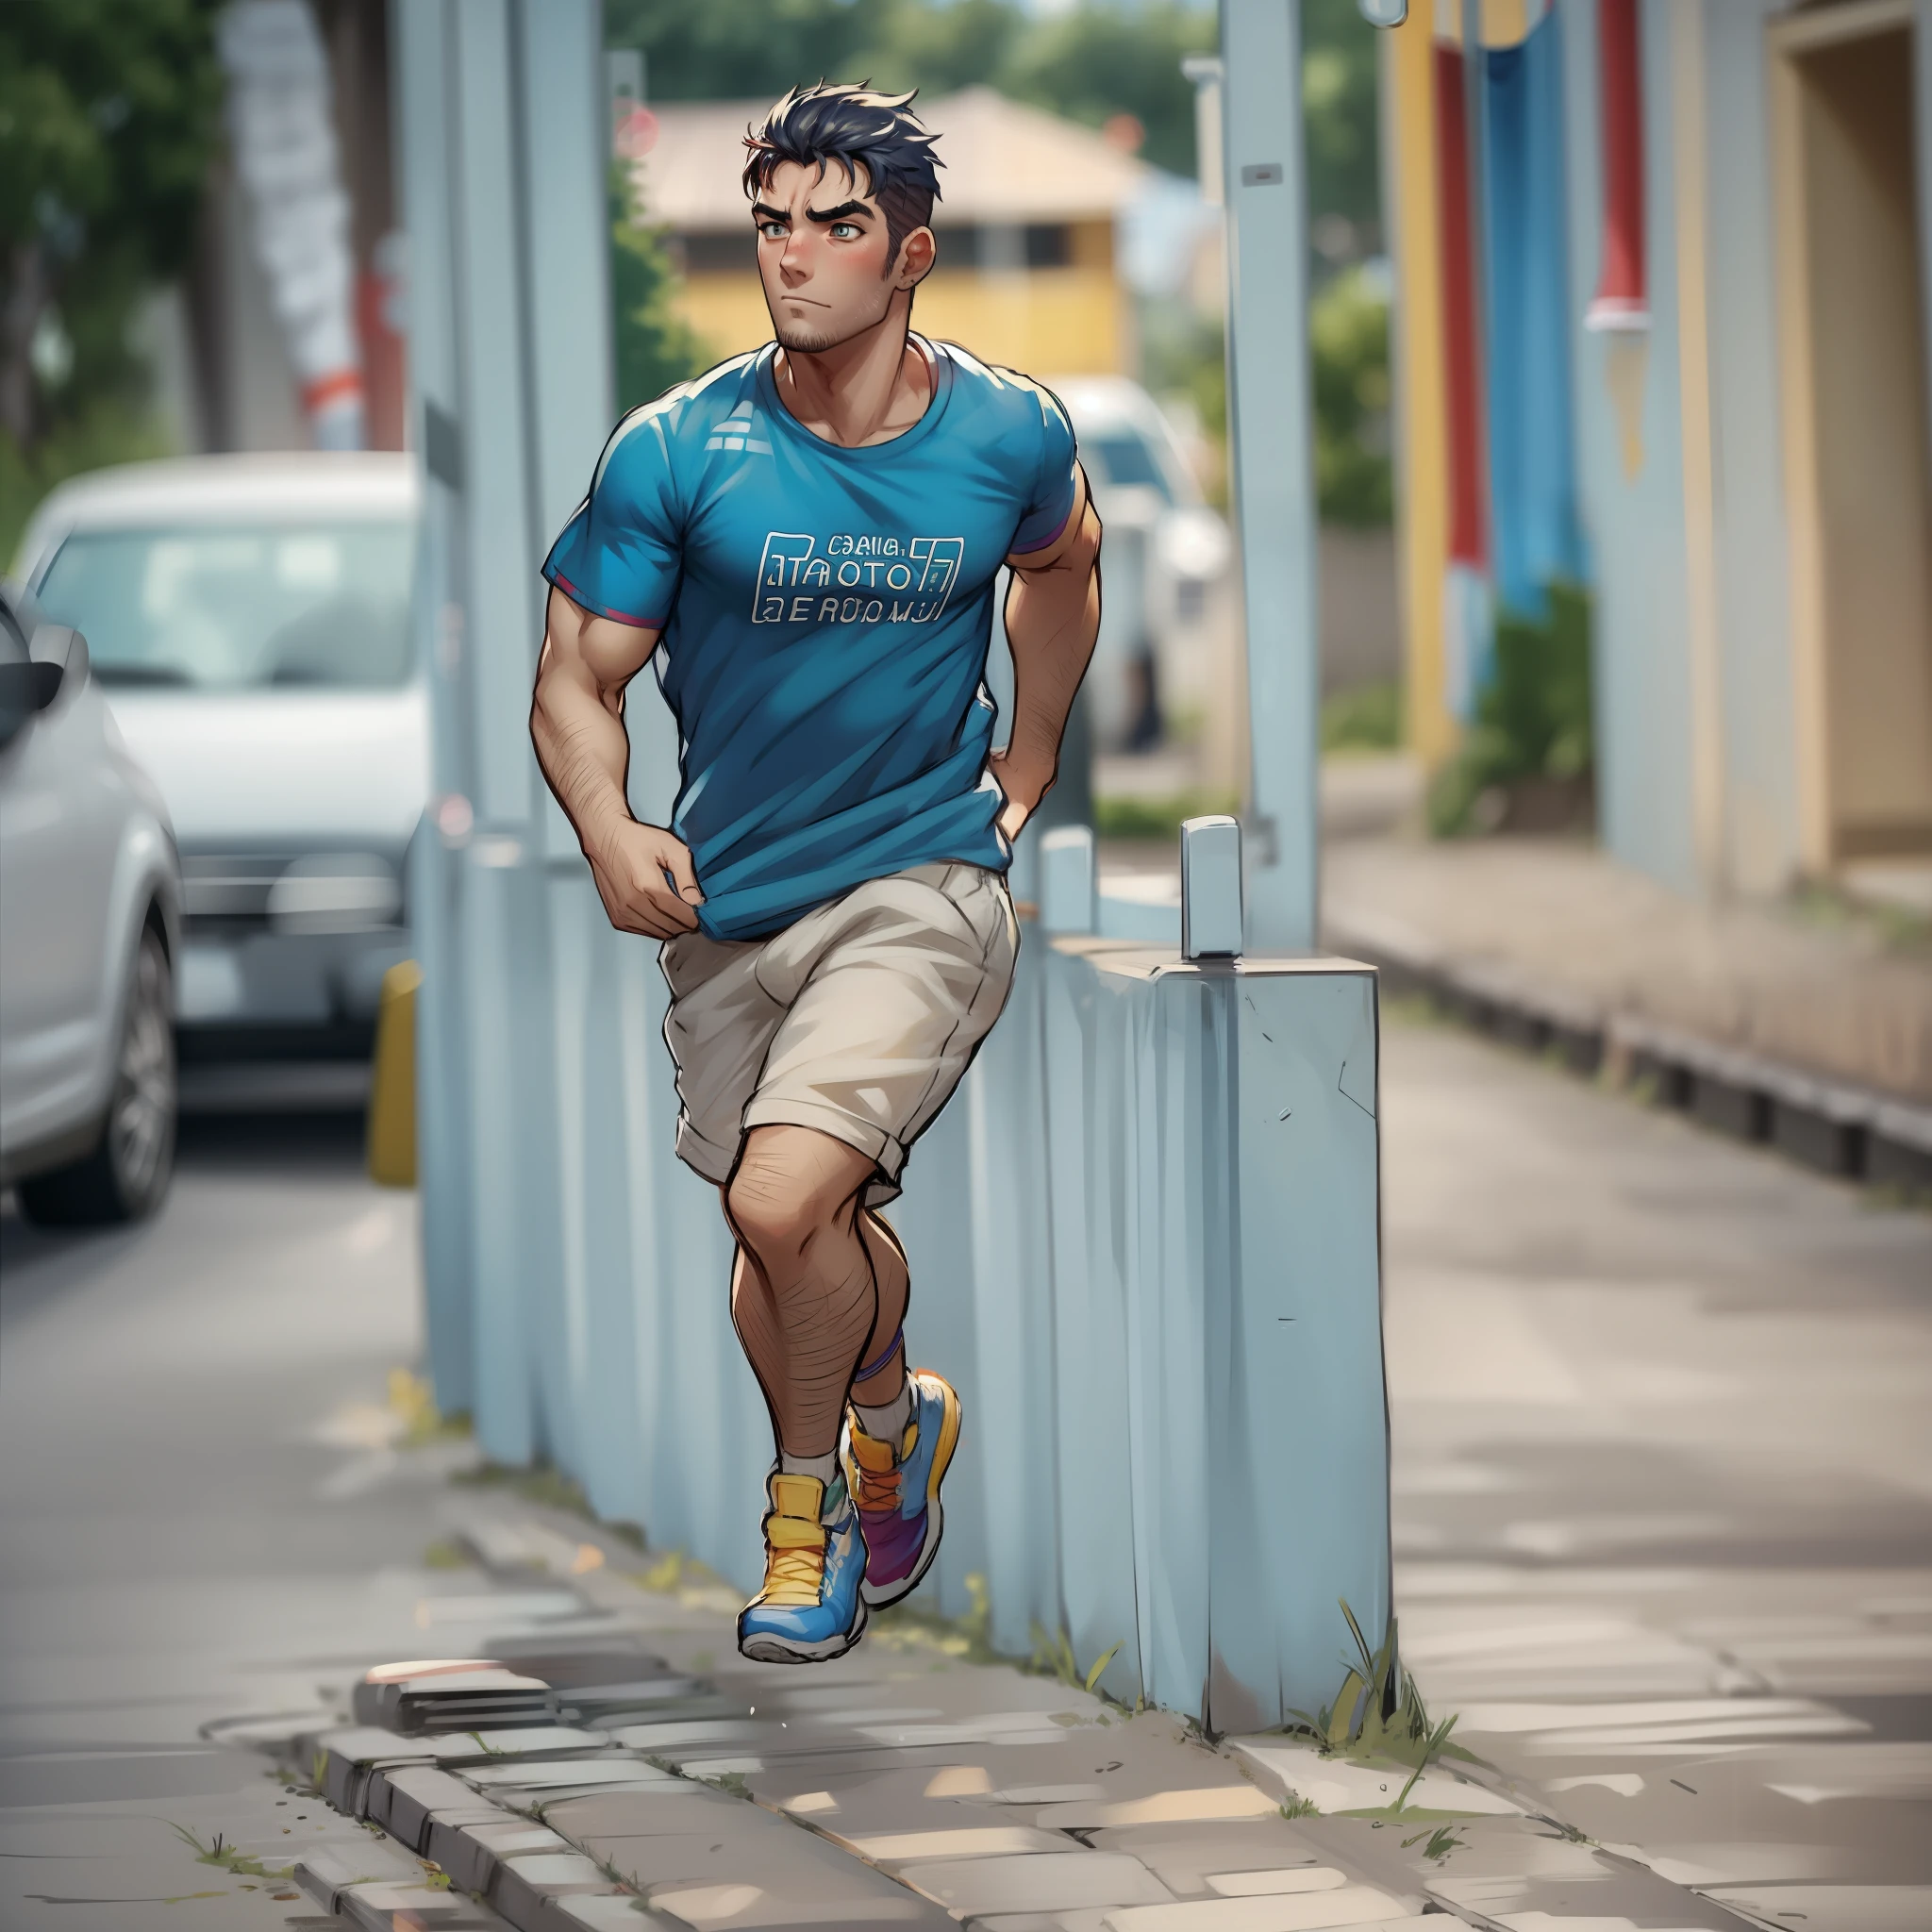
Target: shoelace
(793,1578)
(878,1489)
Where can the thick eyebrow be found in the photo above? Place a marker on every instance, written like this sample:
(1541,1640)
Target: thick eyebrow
(844,212)
(762,211)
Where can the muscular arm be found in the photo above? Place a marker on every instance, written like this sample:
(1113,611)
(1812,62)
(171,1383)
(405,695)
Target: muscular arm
(1052,617)
(576,723)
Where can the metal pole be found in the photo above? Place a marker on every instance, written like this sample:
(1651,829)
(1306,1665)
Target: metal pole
(1271,457)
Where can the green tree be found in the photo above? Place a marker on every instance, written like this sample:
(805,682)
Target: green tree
(109,113)
(1339,120)
(655,347)
(1100,60)
(728,50)
(1348,339)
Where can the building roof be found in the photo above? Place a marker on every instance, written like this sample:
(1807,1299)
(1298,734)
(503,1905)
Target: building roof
(1004,162)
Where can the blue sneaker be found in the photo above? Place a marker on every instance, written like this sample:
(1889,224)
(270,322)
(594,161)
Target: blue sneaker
(810,1607)
(896,1486)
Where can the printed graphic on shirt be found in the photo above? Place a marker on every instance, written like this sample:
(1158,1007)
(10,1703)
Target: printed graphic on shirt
(855,579)
(740,430)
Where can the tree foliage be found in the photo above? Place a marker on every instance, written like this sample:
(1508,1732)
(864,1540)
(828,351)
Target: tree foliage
(109,113)
(654,346)
(1089,64)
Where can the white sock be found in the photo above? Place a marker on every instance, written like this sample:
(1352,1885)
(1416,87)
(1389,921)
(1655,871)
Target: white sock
(824,1467)
(887,1424)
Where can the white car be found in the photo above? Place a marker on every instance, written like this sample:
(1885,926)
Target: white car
(89,926)
(1166,554)
(250,619)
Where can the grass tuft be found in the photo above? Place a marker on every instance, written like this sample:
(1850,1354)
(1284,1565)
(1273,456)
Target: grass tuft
(1442,1842)
(227,1857)
(1378,1712)
(1053,1656)
(968,1638)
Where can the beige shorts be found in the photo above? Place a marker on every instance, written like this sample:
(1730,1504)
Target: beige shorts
(858,1020)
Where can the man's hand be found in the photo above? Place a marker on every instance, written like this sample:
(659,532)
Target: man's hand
(1024,784)
(630,862)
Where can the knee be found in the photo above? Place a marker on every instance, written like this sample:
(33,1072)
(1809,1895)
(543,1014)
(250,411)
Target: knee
(776,1210)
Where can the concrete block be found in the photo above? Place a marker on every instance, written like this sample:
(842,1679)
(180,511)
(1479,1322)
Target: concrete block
(1816,1140)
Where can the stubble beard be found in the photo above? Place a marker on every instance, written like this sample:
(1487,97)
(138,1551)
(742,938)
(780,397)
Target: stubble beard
(804,337)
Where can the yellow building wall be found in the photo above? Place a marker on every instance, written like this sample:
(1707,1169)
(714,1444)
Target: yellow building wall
(1422,497)
(1070,321)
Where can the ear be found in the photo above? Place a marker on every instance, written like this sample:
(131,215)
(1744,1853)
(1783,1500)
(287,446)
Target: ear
(917,253)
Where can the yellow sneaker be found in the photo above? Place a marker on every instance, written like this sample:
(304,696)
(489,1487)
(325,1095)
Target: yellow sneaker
(810,1607)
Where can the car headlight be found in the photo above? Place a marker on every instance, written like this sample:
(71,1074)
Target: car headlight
(335,892)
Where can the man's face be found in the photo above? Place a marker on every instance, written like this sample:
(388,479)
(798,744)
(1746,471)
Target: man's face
(824,258)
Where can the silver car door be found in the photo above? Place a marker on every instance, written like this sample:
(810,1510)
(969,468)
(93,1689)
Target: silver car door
(62,803)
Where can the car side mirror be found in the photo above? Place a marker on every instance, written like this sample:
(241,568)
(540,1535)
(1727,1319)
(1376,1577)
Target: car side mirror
(57,661)
(60,659)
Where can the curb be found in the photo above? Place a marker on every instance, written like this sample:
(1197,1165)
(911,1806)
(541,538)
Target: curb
(1832,1126)
(530,1877)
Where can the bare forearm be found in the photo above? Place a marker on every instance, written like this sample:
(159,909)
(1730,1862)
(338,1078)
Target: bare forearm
(1052,617)
(583,749)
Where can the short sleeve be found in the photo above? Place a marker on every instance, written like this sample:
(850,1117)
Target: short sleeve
(620,553)
(1050,500)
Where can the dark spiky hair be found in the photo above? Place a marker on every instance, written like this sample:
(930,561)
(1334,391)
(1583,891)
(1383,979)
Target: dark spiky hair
(834,122)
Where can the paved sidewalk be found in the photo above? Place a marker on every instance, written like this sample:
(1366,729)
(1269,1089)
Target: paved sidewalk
(1830,1000)
(905,1785)
(1663,1533)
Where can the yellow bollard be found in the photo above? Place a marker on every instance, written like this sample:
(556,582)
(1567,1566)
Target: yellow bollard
(392,1084)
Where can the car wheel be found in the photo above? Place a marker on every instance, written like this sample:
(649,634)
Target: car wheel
(127,1173)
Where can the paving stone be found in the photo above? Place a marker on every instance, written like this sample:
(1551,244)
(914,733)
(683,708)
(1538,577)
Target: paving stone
(1274,1880)
(1614,1891)
(566,1773)
(1040,1881)
(520,1887)
(1202,1805)
(1182,1856)
(667,1857)
(1308,1912)
(401,1801)
(1842,1908)
(606,1912)
(326,1872)
(1334,1785)
(739,1906)
(894,1850)
(384,1908)
(675,1806)
(532,1741)
(664,1739)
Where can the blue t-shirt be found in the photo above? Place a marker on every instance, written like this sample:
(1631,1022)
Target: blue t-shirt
(825,616)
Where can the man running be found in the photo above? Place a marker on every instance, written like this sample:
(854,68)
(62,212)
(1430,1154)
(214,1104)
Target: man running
(806,540)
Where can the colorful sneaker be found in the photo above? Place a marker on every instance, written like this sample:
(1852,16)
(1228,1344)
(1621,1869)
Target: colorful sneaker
(809,1609)
(897,1488)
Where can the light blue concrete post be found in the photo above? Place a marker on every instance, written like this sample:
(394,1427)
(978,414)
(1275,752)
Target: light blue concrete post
(1270,458)
(1210,888)
(503,195)
(1069,880)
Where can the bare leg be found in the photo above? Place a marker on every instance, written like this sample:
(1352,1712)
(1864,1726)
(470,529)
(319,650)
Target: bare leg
(804,1297)
(895,1280)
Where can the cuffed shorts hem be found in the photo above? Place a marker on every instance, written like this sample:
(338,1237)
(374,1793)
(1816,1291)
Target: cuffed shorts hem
(880,998)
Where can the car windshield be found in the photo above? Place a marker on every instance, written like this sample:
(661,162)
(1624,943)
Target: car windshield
(1122,457)
(241,608)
